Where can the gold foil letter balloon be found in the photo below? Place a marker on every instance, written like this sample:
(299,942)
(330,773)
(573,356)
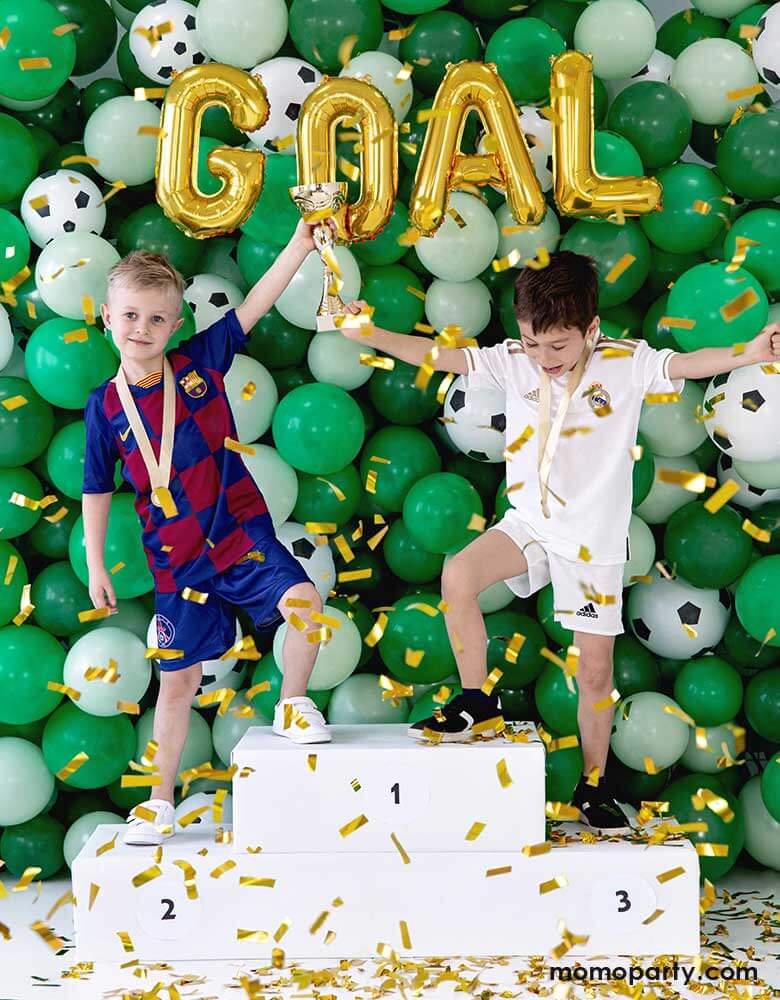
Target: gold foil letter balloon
(473,86)
(579,189)
(366,108)
(241,170)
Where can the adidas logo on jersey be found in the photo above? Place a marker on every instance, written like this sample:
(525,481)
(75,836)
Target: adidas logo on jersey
(533,395)
(588,611)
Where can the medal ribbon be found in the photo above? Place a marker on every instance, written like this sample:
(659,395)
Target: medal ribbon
(549,434)
(159,472)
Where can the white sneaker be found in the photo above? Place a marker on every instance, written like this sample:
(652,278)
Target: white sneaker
(304,721)
(143,830)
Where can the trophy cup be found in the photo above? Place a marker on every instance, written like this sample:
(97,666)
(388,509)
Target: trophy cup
(323,200)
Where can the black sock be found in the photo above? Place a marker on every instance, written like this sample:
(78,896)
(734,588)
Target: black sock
(480,696)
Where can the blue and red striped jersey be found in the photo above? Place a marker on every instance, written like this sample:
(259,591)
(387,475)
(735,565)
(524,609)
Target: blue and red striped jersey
(221,512)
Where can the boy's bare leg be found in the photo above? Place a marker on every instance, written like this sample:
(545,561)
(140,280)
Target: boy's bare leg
(298,654)
(595,683)
(171,723)
(491,557)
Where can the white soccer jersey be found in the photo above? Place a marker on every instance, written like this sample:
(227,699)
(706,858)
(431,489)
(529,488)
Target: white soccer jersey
(593,465)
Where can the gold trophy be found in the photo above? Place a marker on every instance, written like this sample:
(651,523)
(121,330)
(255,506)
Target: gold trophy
(321,201)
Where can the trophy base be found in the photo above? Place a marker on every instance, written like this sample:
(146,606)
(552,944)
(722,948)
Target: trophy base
(325,323)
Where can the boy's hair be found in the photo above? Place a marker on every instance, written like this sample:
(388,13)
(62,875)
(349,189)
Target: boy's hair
(563,294)
(142,269)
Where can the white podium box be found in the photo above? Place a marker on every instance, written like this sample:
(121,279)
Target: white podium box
(631,899)
(297,798)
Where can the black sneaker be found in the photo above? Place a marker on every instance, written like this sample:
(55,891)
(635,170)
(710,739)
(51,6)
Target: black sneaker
(599,809)
(461,719)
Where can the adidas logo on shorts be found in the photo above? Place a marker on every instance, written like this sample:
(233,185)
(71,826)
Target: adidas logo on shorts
(588,611)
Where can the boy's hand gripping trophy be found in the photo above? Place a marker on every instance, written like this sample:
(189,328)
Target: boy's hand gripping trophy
(318,202)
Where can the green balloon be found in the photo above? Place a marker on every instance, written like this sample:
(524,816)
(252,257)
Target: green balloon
(758,600)
(665,269)
(770,786)
(318,428)
(762,704)
(318,27)
(264,702)
(762,828)
(425,705)
(276,343)
(686,27)
(643,473)
(83,825)
(100,91)
(32,25)
(746,653)
(29,659)
(615,156)
(750,16)
(108,740)
(95,35)
(274,217)
(412,628)
(59,596)
(131,75)
(14,519)
(767,517)
(407,559)
(545,612)
(24,430)
(217,124)
(634,667)
(387,290)
(44,141)
(398,457)
(149,228)
(414,6)
(701,293)
(709,689)
(412,145)
(522,49)
(633,786)
(61,116)
(763,259)
(704,758)
(708,550)
(438,510)
(748,156)
(384,248)
(65,372)
(319,501)
(31,731)
(516,706)
(563,769)
(608,243)
(18,158)
(438,38)
(501,626)
(123,545)
(680,794)
(254,258)
(679,227)
(50,539)
(65,460)
(14,238)
(208,182)
(642,727)
(54,160)
(562,16)
(556,703)
(15,578)
(358,700)
(37,842)
(397,398)
(655,119)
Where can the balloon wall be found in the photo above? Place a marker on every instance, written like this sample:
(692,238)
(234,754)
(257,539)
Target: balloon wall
(400,476)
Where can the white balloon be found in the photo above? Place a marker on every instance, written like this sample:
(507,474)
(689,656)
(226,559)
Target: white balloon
(300,300)
(210,296)
(253,416)
(97,649)
(316,560)
(288,82)
(73,204)
(747,414)
(748,496)
(176,49)
(275,479)
(475,420)
(538,135)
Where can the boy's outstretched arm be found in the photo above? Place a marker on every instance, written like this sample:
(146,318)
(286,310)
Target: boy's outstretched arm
(709,361)
(267,290)
(403,346)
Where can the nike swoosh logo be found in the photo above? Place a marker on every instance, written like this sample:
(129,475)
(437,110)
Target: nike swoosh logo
(124,436)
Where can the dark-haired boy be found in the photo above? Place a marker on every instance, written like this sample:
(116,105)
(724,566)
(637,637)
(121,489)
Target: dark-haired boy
(573,401)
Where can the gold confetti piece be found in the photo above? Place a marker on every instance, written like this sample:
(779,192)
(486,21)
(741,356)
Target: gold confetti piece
(148,93)
(256,936)
(502,771)
(454,214)
(653,917)
(542,258)
(534,850)
(707,898)
(5,37)
(192,815)
(737,95)
(403,73)
(694,482)
(702,207)
(759,534)
(345,48)
(27,876)
(189,878)
(35,62)
(671,873)
(353,825)
(146,876)
(398,34)
(676,323)
(188,594)
(717,804)
(140,780)
(721,496)
(14,403)
(257,689)
(263,883)
(746,300)
(241,449)
(612,699)
(152,652)
(475,830)
(349,170)
(563,743)
(127,943)
(94,614)
(377,630)
(115,188)
(561,811)
(747,31)
(46,933)
(130,707)
(559,882)
(400,848)
(712,850)
(504,870)
(65,898)
(73,765)
(108,846)
(661,398)
(678,713)
(619,268)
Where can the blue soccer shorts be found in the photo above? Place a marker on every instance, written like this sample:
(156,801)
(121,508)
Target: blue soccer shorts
(206,631)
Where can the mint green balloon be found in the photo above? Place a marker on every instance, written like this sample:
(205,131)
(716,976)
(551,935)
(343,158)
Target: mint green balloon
(456,252)
(15,519)
(336,659)
(382,71)
(528,241)
(65,294)
(65,372)
(242,32)
(252,415)
(642,728)
(227,729)
(82,829)
(334,359)
(706,72)
(131,615)
(672,430)
(275,479)
(642,544)
(764,475)
(762,830)
(665,498)
(111,137)
(721,8)
(198,746)
(620,35)
(358,700)
(458,303)
(705,759)
(26,783)
(300,300)
(98,649)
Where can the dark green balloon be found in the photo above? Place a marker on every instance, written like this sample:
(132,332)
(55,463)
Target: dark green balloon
(707,550)
(287,379)
(25,431)
(634,667)
(439,37)
(762,704)
(608,243)
(54,161)
(655,119)
(398,399)
(767,517)
(38,842)
(438,510)
(709,689)
(109,741)
(44,141)
(750,16)
(749,155)
(95,35)
(407,559)
(521,48)
(411,144)
(410,455)
(11,591)
(61,115)
(216,123)
(384,248)
(276,343)
(628,785)
(704,140)
(679,227)
(32,731)
(770,786)
(254,258)
(559,14)
(562,772)
(483,476)
(490,10)
(100,91)
(685,28)
(557,705)
(387,290)
(18,156)
(149,228)
(412,628)
(679,795)
(59,596)
(762,225)
(517,705)
(665,269)
(318,501)
(274,217)
(643,473)
(501,626)
(128,67)
(545,608)
(318,27)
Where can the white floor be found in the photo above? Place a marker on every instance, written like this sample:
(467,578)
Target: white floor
(741,931)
